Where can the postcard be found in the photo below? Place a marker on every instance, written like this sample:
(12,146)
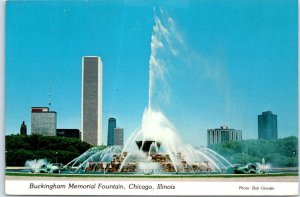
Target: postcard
(185,98)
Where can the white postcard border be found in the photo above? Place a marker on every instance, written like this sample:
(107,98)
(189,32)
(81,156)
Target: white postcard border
(17,187)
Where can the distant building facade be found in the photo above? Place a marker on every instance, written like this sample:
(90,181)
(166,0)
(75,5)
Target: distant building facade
(43,121)
(23,129)
(223,134)
(71,133)
(112,124)
(91,102)
(119,136)
(267,126)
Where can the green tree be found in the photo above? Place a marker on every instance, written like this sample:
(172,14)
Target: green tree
(279,152)
(61,149)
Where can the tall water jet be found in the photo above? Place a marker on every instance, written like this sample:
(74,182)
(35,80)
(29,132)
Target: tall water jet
(156,130)
(160,40)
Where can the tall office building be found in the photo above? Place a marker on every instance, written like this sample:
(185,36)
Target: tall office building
(267,126)
(91,102)
(112,124)
(43,121)
(119,136)
(223,134)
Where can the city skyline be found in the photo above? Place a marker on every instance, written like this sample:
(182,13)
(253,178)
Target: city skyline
(231,63)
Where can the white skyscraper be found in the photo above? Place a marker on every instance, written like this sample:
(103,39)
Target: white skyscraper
(91,101)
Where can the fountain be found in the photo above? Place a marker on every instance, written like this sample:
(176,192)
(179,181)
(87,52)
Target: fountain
(41,166)
(155,147)
(35,165)
(263,166)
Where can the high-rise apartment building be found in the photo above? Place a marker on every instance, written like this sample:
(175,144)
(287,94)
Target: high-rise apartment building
(267,126)
(91,103)
(43,121)
(223,134)
(119,136)
(112,124)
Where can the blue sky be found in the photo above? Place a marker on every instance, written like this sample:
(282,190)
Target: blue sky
(234,60)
